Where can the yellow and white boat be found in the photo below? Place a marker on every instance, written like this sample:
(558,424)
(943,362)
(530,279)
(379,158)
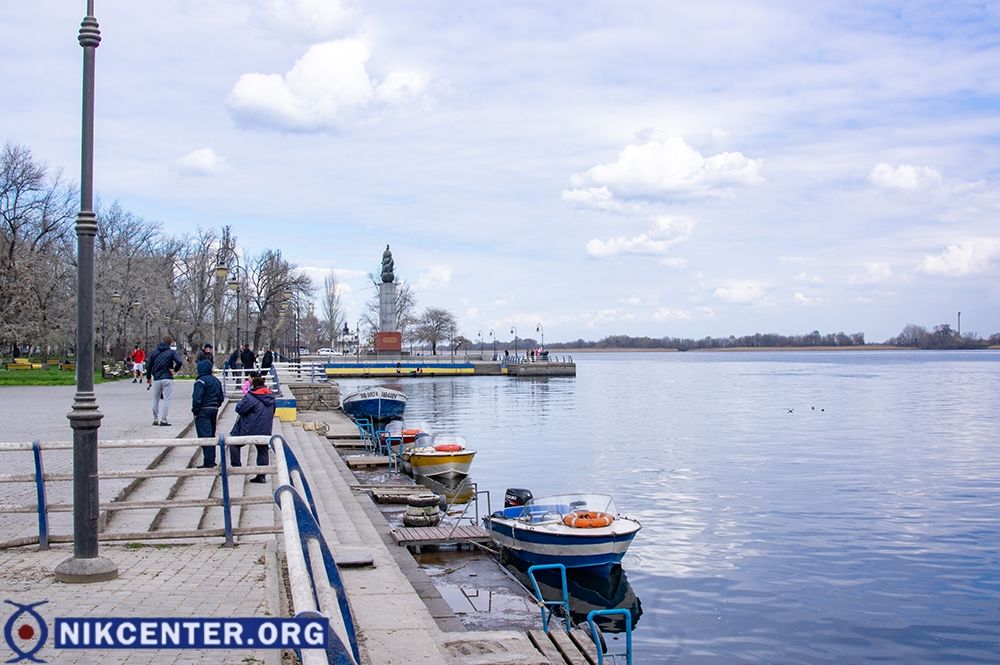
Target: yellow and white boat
(448,457)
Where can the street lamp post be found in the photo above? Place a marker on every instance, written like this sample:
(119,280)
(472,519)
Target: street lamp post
(513,331)
(235,283)
(479,334)
(85,418)
(541,329)
(494,338)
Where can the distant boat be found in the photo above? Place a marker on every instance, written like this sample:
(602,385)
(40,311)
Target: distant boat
(446,457)
(576,530)
(379,404)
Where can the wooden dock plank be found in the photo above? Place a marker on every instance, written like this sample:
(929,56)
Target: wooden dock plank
(367,460)
(567,647)
(585,644)
(541,641)
(436,535)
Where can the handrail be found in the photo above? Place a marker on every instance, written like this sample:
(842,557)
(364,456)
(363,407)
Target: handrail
(544,604)
(595,632)
(312,560)
(42,507)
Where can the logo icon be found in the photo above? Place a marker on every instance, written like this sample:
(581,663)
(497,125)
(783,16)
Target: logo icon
(23,627)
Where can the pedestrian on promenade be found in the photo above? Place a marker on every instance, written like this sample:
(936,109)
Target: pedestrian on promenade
(138,357)
(248,357)
(205,402)
(234,359)
(248,382)
(256,412)
(206,353)
(164,362)
(267,359)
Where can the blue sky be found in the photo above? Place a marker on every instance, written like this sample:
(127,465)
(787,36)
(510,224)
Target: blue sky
(682,169)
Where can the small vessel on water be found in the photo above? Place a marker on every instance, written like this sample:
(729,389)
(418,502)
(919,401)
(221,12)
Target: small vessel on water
(444,456)
(380,404)
(576,530)
(408,431)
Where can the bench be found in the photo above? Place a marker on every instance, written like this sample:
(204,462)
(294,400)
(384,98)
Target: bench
(23,363)
(68,367)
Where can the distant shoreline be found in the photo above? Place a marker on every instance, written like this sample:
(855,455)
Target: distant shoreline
(866,347)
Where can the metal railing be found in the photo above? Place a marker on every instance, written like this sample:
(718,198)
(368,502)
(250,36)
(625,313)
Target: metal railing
(540,599)
(313,372)
(43,507)
(233,378)
(316,586)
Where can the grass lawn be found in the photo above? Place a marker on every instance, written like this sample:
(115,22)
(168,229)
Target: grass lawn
(41,377)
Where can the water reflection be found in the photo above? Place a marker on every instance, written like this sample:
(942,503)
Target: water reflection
(587,592)
(456,490)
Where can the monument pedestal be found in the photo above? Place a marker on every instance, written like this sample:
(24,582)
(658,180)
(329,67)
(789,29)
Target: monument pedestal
(388,342)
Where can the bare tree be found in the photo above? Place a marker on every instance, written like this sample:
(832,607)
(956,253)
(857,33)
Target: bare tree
(435,325)
(333,311)
(270,277)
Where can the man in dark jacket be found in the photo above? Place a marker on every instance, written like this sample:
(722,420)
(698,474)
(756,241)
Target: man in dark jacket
(205,402)
(206,353)
(248,357)
(267,359)
(256,411)
(163,363)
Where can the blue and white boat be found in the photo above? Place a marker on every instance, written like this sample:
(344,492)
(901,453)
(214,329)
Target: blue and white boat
(379,404)
(576,530)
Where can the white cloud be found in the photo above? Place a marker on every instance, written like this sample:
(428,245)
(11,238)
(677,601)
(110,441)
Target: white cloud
(803,299)
(959,260)
(203,161)
(666,232)
(437,277)
(806,278)
(324,88)
(904,176)
(316,18)
(675,262)
(660,168)
(875,273)
(591,197)
(666,314)
(739,292)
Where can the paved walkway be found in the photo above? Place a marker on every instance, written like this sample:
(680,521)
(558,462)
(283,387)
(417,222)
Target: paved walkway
(39,412)
(154,581)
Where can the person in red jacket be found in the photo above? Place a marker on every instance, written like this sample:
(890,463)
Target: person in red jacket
(138,358)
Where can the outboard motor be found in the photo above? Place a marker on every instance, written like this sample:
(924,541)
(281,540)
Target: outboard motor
(516,497)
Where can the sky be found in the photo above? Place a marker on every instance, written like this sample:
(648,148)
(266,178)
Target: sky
(583,169)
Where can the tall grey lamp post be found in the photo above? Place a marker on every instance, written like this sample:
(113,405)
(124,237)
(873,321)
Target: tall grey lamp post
(513,331)
(85,419)
(541,329)
(221,270)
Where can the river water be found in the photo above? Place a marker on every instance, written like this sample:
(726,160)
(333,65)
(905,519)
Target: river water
(797,507)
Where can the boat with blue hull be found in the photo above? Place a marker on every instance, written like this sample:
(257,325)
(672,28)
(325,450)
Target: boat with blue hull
(379,404)
(576,530)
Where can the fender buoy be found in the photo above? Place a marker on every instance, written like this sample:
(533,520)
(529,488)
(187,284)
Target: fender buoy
(423,500)
(448,447)
(585,519)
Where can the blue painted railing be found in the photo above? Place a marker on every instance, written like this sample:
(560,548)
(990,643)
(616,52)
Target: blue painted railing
(43,515)
(595,632)
(544,604)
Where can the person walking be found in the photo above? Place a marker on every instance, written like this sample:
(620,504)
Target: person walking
(164,362)
(138,357)
(248,357)
(205,402)
(256,412)
(267,359)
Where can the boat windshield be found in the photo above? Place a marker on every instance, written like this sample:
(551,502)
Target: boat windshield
(554,508)
(441,439)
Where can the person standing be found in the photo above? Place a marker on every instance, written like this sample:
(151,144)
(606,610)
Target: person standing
(164,362)
(248,357)
(138,357)
(205,402)
(206,353)
(267,359)
(256,411)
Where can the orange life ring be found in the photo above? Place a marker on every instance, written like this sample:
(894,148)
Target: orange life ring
(585,519)
(447,447)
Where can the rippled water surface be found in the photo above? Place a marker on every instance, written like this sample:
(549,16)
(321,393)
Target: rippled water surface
(797,507)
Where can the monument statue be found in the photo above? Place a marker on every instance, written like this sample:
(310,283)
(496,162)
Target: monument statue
(387,266)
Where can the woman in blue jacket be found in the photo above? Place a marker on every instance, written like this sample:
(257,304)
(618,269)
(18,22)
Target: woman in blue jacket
(256,412)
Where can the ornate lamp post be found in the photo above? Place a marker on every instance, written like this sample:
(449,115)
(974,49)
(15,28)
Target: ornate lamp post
(85,418)
(494,338)
(479,334)
(513,331)
(222,269)
(541,329)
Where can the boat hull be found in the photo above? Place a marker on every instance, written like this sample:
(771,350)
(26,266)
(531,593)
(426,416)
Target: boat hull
(438,465)
(378,404)
(599,549)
